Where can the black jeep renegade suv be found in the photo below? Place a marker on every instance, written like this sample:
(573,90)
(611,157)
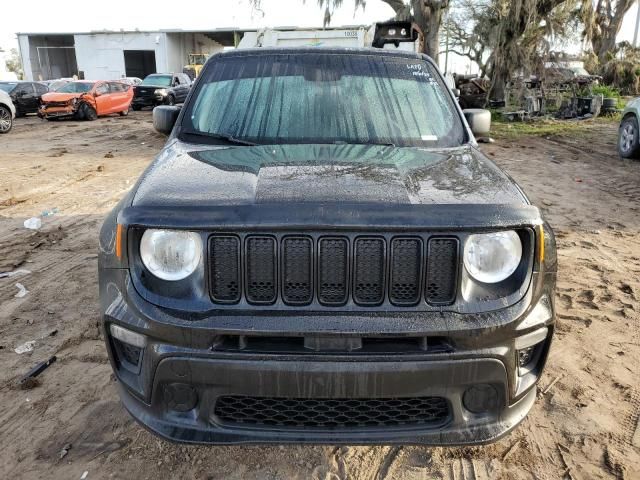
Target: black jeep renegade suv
(321,254)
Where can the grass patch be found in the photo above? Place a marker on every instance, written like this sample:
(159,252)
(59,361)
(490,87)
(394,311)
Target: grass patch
(544,127)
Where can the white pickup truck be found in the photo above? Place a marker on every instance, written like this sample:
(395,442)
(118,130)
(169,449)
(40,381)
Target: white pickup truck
(390,35)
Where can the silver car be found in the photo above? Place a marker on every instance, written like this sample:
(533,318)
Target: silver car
(7,112)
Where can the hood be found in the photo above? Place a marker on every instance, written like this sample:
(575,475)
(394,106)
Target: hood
(187,175)
(60,97)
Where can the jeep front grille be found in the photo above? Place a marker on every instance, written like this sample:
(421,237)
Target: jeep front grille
(332,271)
(330,413)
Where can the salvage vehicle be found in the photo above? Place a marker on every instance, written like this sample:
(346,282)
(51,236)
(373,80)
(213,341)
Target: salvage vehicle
(629,132)
(24,95)
(7,112)
(299,265)
(87,100)
(161,89)
(194,67)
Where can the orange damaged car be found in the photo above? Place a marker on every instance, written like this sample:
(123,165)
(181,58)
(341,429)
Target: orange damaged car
(88,100)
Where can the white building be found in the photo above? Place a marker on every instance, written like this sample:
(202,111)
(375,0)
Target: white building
(110,55)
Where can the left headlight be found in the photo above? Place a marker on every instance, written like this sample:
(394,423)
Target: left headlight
(492,257)
(160,92)
(170,254)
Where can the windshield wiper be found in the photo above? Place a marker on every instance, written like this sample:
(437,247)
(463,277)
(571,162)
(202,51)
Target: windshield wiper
(343,142)
(221,136)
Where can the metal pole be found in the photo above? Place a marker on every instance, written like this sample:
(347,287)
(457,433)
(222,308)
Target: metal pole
(635,35)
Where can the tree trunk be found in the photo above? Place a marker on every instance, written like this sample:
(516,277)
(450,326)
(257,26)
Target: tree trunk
(609,16)
(604,45)
(428,16)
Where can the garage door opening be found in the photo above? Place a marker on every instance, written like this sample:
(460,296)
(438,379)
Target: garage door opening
(139,63)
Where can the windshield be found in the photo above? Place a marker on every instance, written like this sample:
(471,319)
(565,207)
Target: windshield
(76,87)
(7,87)
(323,98)
(157,80)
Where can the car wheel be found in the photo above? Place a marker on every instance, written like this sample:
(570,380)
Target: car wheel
(6,120)
(124,113)
(89,112)
(171,100)
(136,108)
(628,145)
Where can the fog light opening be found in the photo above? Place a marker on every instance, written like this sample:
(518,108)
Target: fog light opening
(480,399)
(528,348)
(128,347)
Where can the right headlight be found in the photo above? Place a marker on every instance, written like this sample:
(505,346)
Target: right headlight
(170,254)
(492,257)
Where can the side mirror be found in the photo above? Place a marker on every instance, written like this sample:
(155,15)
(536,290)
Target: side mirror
(164,118)
(97,93)
(479,120)
(456,92)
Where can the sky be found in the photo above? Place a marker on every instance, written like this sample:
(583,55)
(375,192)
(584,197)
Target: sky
(83,15)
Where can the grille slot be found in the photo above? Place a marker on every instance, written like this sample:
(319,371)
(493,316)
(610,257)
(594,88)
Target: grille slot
(297,287)
(225,269)
(261,269)
(333,414)
(369,271)
(406,267)
(334,271)
(442,271)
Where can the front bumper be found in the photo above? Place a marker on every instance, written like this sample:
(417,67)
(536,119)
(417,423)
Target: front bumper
(182,352)
(148,101)
(56,111)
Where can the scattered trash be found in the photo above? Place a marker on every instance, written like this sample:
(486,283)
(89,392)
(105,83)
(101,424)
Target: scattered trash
(108,155)
(84,475)
(38,369)
(512,449)
(555,380)
(11,274)
(100,168)
(64,451)
(49,213)
(33,223)
(25,347)
(22,291)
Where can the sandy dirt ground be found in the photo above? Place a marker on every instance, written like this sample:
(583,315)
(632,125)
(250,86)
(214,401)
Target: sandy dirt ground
(584,427)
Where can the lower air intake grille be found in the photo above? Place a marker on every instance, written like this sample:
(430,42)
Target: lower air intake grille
(225,271)
(368,287)
(261,270)
(442,271)
(332,414)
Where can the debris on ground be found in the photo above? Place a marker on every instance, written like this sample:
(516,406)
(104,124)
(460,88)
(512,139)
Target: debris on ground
(38,369)
(84,475)
(64,451)
(33,223)
(49,213)
(548,389)
(25,347)
(22,291)
(14,273)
